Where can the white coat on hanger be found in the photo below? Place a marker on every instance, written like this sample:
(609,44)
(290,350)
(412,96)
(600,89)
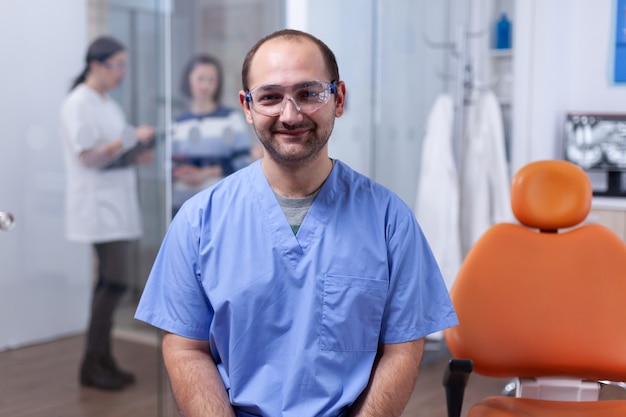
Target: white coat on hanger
(437,202)
(485,179)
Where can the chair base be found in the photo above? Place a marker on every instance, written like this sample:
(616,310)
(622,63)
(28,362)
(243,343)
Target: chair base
(558,389)
(527,407)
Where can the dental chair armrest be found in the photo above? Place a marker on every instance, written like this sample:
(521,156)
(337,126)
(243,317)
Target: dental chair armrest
(455,378)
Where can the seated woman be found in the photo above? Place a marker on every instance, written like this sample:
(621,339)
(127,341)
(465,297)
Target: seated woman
(209,140)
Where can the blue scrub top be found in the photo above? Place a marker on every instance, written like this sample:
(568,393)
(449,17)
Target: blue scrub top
(294,321)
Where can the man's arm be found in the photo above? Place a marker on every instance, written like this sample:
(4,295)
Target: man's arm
(392,380)
(197,386)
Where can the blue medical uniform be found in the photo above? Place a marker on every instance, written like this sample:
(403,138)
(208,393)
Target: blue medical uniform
(294,321)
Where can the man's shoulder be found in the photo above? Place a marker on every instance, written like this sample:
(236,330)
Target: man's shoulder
(350,177)
(239,185)
(358,182)
(242,177)
(220,200)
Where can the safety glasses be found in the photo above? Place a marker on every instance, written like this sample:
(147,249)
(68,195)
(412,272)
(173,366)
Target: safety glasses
(307,97)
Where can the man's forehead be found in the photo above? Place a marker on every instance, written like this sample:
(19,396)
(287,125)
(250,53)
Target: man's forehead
(287,48)
(287,61)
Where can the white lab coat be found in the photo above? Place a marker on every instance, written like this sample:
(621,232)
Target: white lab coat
(485,179)
(101,205)
(437,202)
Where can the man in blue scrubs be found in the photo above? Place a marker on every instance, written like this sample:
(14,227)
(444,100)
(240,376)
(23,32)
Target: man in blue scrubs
(296,286)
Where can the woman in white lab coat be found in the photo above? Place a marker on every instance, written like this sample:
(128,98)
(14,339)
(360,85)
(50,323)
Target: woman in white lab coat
(102,206)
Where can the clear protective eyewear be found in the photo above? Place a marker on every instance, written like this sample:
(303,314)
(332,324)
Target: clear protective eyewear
(116,66)
(307,97)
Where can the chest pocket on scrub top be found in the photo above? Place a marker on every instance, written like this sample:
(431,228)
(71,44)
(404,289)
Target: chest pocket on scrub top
(352,311)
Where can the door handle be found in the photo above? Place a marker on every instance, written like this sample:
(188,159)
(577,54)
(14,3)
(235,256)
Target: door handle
(7,221)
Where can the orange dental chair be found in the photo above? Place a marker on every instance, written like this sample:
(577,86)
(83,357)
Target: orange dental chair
(544,302)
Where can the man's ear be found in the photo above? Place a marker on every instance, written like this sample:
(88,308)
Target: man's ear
(340,100)
(245,106)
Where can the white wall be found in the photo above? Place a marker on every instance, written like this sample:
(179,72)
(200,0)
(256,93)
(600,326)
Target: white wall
(562,63)
(45,282)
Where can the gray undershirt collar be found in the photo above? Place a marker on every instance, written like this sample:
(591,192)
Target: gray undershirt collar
(295,209)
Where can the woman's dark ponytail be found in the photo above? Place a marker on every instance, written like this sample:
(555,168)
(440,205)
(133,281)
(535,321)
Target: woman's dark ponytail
(80,79)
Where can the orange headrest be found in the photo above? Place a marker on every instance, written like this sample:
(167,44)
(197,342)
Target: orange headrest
(551,194)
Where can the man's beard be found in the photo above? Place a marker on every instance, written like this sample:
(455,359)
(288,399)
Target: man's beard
(306,149)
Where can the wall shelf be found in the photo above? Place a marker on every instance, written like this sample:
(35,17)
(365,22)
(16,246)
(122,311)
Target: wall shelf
(501,53)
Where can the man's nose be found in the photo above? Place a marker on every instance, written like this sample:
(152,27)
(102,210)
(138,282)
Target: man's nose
(288,111)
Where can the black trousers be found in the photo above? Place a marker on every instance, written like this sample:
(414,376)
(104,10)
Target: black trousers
(114,273)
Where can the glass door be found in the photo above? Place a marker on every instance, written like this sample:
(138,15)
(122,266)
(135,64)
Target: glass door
(45,281)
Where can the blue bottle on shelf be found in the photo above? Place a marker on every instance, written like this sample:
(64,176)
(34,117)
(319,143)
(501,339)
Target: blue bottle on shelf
(503,32)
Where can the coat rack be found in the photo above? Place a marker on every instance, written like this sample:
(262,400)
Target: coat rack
(463,78)
(475,147)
